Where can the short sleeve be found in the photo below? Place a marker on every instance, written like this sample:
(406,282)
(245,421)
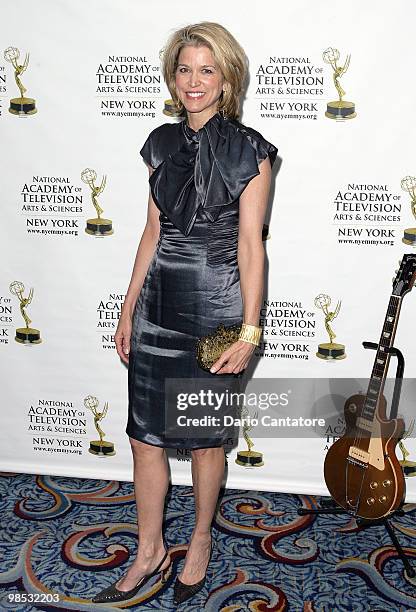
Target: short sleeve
(262,147)
(161,142)
(147,151)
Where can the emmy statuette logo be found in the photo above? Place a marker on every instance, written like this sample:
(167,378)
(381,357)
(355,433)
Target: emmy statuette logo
(96,227)
(329,350)
(409,467)
(339,109)
(409,184)
(19,106)
(248,458)
(100,447)
(24,335)
(170,109)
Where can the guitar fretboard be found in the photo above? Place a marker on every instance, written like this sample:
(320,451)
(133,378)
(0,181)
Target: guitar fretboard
(381,361)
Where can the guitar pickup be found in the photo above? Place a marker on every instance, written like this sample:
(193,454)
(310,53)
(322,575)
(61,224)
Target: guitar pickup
(359,454)
(365,425)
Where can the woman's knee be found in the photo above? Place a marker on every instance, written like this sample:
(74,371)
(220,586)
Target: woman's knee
(205,453)
(141,449)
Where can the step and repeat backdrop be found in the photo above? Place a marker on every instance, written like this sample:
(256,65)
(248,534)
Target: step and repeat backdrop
(80,90)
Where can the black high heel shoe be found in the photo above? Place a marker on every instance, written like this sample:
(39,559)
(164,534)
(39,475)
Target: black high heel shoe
(182,591)
(112,594)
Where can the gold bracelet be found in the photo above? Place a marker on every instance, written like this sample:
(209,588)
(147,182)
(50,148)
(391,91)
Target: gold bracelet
(250,333)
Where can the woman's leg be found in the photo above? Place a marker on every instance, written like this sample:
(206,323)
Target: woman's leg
(207,474)
(151,481)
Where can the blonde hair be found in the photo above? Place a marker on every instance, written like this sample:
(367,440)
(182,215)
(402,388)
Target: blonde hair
(227,52)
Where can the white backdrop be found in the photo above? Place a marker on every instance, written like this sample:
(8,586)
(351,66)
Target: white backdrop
(77,49)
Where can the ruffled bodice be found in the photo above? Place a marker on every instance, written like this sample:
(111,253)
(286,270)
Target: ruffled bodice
(208,168)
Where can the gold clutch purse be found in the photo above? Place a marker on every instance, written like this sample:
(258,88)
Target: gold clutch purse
(210,347)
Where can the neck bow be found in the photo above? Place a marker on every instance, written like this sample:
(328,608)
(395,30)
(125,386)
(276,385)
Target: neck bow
(210,169)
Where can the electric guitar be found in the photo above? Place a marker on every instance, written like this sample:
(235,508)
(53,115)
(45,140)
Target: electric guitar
(361,470)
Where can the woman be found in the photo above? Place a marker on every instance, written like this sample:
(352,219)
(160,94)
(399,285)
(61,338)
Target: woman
(199,263)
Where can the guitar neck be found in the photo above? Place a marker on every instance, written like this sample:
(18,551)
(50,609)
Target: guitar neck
(382,359)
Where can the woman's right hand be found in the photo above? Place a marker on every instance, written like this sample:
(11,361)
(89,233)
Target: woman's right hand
(122,337)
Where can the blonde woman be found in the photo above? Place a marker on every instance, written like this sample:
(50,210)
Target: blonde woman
(200,262)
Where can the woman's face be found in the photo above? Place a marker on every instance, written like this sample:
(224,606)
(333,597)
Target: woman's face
(199,81)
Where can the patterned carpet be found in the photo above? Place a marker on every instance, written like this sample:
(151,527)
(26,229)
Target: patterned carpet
(73,537)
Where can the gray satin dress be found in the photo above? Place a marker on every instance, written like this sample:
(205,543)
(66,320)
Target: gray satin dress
(192,283)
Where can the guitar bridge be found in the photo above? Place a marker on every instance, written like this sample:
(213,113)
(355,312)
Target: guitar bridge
(356,462)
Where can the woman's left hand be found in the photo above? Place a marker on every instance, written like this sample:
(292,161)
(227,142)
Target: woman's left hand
(234,359)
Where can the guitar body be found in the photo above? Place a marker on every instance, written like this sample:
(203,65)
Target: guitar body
(362,472)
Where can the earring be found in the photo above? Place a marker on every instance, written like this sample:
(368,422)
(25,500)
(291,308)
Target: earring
(224,116)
